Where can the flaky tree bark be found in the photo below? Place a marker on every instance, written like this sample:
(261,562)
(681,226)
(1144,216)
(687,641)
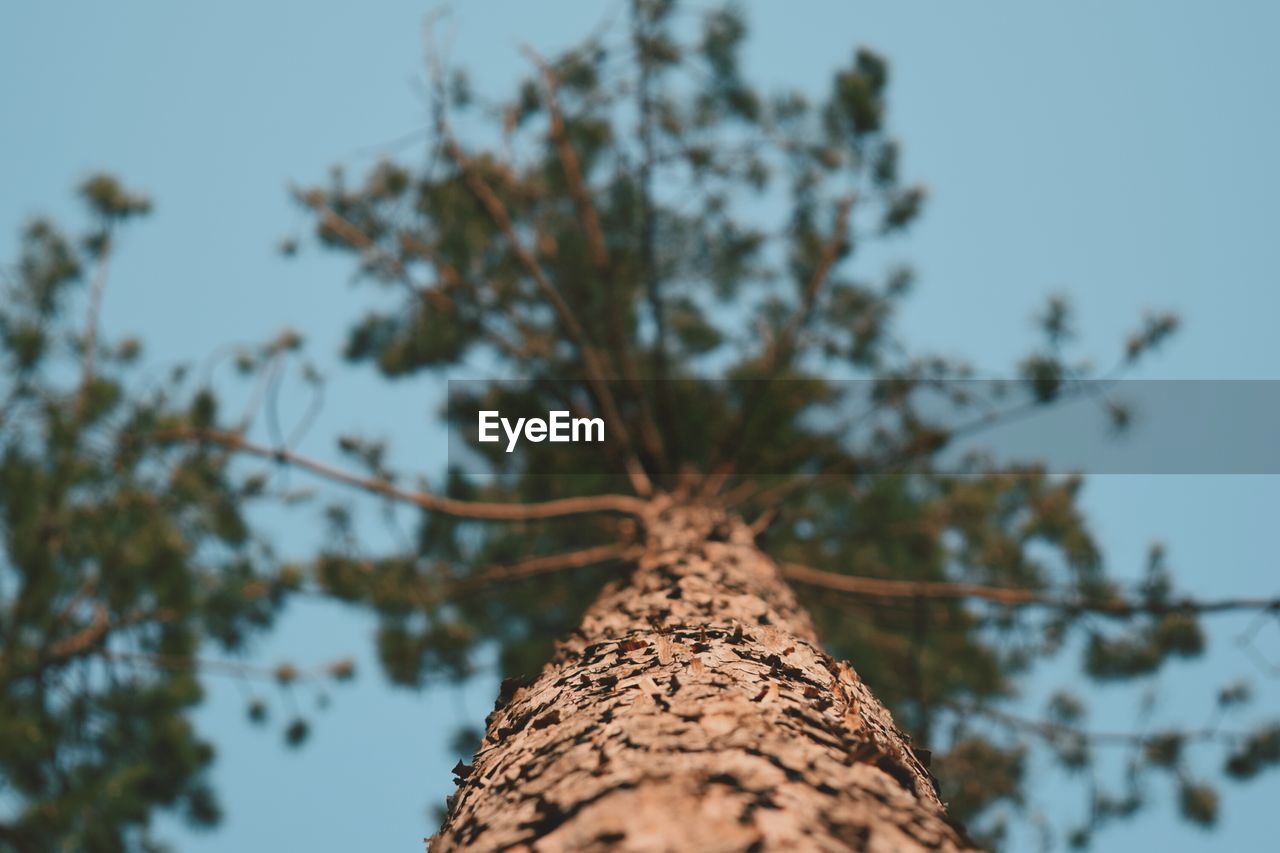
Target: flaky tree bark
(695,710)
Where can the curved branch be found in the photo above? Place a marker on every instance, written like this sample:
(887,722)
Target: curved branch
(88,639)
(884,588)
(427,501)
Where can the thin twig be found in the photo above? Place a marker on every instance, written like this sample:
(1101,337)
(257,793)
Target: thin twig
(740,493)
(779,350)
(832,250)
(284,674)
(762,522)
(714,481)
(1054,732)
(91,318)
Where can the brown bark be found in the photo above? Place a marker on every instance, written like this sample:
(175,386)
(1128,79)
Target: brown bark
(695,710)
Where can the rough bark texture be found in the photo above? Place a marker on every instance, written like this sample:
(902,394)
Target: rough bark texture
(695,710)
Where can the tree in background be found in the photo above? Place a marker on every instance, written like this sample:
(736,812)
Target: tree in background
(606,239)
(119,563)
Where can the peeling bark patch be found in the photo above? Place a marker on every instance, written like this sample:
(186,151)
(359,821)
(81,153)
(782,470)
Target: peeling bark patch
(547,720)
(707,719)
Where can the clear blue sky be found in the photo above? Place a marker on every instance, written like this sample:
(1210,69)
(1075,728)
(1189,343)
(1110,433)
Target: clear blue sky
(1124,153)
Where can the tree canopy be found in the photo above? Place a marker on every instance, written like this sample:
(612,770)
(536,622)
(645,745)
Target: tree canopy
(606,240)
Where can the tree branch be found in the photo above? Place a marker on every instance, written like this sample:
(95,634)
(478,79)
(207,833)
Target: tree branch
(648,227)
(572,166)
(597,377)
(544,565)
(427,501)
(589,219)
(87,639)
(835,246)
(1057,732)
(884,588)
(284,674)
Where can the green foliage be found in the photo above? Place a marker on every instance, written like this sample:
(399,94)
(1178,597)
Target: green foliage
(984,774)
(119,561)
(110,201)
(728,328)
(652,231)
(1165,750)
(1198,803)
(1258,751)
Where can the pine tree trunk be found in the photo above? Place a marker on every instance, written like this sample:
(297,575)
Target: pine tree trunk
(695,710)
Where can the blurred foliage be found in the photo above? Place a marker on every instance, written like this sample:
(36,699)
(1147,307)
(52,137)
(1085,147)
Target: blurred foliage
(121,561)
(733,331)
(639,176)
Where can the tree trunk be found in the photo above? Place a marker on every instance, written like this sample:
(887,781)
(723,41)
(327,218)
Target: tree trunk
(695,710)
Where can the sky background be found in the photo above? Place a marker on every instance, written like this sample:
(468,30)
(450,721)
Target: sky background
(1123,153)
